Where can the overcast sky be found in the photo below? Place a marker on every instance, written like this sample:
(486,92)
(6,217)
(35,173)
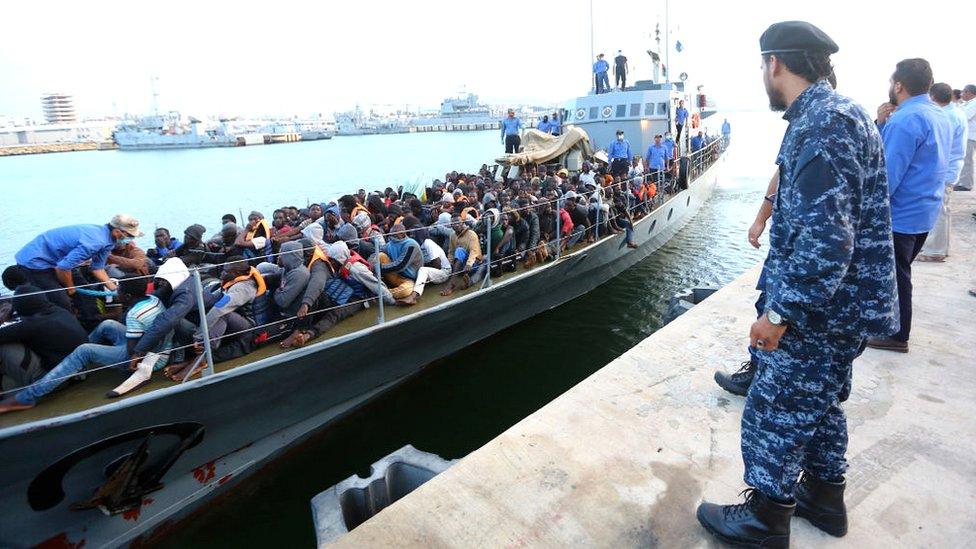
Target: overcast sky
(300,58)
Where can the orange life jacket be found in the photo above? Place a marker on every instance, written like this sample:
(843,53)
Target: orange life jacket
(319,255)
(261,224)
(357,209)
(251,274)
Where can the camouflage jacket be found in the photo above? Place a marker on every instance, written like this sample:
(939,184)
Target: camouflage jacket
(831,265)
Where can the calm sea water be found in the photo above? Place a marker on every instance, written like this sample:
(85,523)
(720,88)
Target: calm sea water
(456,404)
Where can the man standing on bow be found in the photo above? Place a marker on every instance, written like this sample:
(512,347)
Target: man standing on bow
(600,69)
(829,282)
(511,132)
(620,69)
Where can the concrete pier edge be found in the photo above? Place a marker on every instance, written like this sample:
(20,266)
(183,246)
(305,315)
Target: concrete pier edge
(623,458)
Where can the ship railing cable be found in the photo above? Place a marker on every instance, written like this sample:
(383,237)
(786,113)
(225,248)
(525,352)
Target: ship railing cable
(696,160)
(486,262)
(171,350)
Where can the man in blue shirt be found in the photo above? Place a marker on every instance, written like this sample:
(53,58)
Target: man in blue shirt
(544,126)
(829,282)
(726,131)
(47,260)
(600,69)
(511,132)
(657,156)
(555,125)
(680,117)
(937,243)
(917,141)
(670,146)
(698,142)
(618,152)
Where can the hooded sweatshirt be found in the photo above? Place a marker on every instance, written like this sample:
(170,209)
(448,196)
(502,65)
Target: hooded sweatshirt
(293,280)
(50,331)
(180,304)
(358,272)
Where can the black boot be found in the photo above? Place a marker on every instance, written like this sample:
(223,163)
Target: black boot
(822,503)
(756,522)
(739,382)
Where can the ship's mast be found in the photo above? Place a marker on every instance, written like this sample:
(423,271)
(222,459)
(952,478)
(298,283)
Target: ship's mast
(667,43)
(154,85)
(592,50)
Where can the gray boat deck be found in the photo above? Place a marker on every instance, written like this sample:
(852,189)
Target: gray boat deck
(76,397)
(624,458)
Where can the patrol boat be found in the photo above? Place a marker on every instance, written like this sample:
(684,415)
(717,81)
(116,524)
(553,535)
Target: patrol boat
(80,471)
(171,131)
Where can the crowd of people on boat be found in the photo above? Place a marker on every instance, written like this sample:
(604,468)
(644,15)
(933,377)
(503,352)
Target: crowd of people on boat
(88,296)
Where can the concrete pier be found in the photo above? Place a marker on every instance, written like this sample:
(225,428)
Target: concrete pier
(623,458)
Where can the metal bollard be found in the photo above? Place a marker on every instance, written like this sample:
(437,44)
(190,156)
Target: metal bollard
(381,316)
(207,349)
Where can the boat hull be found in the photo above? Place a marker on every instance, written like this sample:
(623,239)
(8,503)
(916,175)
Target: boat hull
(251,413)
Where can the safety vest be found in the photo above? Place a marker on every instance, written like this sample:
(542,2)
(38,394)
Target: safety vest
(259,311)
(262,224)
(356,210)
(319,255)
(359,289)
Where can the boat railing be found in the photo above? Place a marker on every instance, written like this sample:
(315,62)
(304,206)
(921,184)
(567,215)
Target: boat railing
(666,184)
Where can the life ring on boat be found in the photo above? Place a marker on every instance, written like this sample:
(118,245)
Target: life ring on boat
(580,113)
(607,111)
(695,120)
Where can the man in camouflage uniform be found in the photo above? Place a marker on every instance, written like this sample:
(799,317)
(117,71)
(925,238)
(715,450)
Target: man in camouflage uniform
(829,283)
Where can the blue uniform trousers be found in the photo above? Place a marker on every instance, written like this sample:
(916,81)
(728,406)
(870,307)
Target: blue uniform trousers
(792,418)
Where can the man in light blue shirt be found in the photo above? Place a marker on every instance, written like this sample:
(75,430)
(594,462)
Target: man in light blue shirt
(917,140)
(544,126)
(47,260)
(600,69)
(937,243)
(555,124)
(657,155)
(726,131)
(511,132)
(670,147)
(618,152)
(680,118)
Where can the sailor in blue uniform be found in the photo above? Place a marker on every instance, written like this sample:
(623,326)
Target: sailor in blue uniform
(829,283)
(600,69)
(511,132)
(620,155)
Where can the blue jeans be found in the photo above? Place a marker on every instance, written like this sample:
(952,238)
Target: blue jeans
(106,345)
(602,82)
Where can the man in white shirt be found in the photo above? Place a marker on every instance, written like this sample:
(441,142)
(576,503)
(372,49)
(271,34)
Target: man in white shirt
(936,246)
(966,178)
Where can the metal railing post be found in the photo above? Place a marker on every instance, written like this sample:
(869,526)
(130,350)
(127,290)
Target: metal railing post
(381,315)
(488,228)
(599,204)
(559,230)
(207,349)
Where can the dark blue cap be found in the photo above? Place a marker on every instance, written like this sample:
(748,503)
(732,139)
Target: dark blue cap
(796,36)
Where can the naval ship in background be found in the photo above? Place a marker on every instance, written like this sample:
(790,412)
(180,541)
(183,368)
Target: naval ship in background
(82,471)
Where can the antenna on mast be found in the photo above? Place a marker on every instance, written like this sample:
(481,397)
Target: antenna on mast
(154,85)
(592,50)
(667,42)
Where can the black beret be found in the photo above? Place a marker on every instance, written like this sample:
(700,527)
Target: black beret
(796,36)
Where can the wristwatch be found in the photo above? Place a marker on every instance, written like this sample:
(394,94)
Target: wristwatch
(774,318)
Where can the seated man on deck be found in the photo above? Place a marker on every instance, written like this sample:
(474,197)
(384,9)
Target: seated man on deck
(231,319)
(181,316)
(469,265)
(400,260)
(254,242)
(127,260)
(165,244)
(44,335)
(111,344)
(47,261)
